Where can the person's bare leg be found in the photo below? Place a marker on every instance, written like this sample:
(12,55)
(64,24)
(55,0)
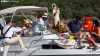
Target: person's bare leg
(94,43)
(80,34)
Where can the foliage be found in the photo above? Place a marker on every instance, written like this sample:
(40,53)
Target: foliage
(68,8)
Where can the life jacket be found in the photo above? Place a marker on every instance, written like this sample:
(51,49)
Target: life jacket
(89,26)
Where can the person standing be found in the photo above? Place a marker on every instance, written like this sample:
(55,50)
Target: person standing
(8,38)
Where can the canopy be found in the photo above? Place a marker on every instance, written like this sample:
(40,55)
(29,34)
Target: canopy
(21,8)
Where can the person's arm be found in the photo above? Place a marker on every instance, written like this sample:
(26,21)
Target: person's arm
(18,29)
(81,27)
(24,28)
(68,28)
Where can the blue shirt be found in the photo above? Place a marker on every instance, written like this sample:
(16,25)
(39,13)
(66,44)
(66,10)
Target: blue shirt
(34,24)
(73,27)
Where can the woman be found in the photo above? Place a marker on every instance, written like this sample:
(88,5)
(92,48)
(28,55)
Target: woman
(95,35)
(28,29)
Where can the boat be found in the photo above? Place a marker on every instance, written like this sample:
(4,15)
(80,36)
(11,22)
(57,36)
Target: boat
(45,44)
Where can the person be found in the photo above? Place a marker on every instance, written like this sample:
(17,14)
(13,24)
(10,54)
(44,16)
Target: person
(45,18)
(88,24)
(40,23)
(75,25)
(95,35)
(28,29)
(75,28)
(8,39)
(39,27)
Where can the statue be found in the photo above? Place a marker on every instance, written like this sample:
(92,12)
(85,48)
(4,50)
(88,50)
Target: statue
(56,13)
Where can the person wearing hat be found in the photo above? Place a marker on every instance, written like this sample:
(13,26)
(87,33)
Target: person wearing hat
(45,18)
(88,24)
(39,24)
(28,28)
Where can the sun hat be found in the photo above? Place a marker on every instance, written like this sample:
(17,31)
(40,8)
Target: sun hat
(44,16)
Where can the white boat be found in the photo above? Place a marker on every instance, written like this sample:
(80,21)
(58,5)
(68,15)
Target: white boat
(46,44)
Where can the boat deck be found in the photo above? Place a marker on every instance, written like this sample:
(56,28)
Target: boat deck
(36,50)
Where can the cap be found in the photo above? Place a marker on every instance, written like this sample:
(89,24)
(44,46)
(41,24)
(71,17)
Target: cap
(87,18)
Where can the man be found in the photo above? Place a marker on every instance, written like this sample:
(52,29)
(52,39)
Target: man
(8,38)
(75,27)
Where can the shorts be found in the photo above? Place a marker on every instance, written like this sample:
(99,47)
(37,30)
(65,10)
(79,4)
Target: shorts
(96,39)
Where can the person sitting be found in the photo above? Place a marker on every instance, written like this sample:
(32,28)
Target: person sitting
(8,38)
(88,24)
(95,35)
(75,28)
(45,18)
(28,28)
(39,27)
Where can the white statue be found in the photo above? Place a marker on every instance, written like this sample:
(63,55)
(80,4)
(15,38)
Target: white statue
(56,13)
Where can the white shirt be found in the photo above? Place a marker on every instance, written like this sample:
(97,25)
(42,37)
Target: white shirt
(9,33)
(46,23)
(39,22)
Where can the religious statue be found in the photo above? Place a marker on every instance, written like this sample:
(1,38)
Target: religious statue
(56,13)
